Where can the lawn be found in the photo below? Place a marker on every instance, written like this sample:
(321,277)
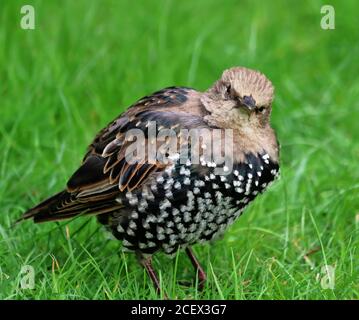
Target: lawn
(86,61)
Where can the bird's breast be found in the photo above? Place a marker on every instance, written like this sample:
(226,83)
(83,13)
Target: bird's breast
(189,203)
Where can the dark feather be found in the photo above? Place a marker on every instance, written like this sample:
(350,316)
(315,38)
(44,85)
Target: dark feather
(105,173)
(90,173)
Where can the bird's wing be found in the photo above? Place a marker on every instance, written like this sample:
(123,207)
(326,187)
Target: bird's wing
(105,162)
(105,172)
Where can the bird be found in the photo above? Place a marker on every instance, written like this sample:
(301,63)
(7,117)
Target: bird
(174,202)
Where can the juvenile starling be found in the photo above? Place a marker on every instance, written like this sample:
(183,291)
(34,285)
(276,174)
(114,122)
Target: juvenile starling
(174,202)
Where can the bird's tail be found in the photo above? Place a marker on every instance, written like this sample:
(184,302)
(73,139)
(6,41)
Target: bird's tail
(66,205)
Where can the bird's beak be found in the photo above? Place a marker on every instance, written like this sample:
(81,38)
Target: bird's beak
(248,102)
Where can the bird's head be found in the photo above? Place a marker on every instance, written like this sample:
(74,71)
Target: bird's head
(240,98)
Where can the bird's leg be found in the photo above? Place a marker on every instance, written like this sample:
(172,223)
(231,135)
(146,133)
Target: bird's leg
(202,277)
(147,264)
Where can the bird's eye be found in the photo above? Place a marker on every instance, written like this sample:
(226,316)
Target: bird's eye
(261,109)
(228,90)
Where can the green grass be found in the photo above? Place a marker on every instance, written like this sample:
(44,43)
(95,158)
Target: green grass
(87,60)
